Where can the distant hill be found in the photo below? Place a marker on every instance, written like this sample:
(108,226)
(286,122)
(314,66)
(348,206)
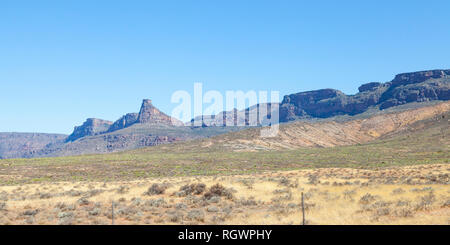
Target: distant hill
(133,137)
(19,145)
(152,127)
(405,88)
(329,132)
(425,141)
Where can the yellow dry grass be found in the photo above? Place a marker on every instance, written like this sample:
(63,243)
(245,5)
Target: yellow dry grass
(401,195)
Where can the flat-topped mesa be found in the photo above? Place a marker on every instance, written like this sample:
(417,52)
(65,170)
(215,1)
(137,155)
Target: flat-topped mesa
(149,114)
(417,87)
(309,97)
(92,126)
(420,76)
(317,103)
(405,88)
(224,118)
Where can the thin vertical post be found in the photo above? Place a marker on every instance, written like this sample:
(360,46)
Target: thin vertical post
(112,212)
(303,210)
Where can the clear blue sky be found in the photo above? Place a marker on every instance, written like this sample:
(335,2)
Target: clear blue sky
(64,61)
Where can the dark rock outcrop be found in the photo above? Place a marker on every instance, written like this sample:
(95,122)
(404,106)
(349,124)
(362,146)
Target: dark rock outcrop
(369,86)
(256,115)
(124,122)
(92,126)
(417,87)
(318,103)
(224,118)
(405,88)
(148,114)
(418,77)
(327,103)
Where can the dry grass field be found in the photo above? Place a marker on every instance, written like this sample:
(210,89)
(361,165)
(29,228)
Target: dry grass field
(397,195)
(401,177)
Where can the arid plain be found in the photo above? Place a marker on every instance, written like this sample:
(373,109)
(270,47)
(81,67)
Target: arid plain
(375,175)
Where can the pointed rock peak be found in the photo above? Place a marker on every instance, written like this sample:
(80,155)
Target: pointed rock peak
(151,114)
(146,102)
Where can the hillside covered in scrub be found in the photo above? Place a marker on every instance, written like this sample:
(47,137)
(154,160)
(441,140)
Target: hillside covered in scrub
(152,127)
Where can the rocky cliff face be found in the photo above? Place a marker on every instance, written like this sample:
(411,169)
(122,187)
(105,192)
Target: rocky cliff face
(319,103)
(151,126)
(369,86)
(405,88)
(418,77)
(124,122)
(257,115)
(148,114)
(92,126)
(151,114)
(330,133)
(417,87)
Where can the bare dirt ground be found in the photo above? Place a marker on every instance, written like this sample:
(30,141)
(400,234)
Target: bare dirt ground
(417,194)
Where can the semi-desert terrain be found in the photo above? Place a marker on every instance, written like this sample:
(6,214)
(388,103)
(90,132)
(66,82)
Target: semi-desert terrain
(363,173)
(217,114)
(398,195)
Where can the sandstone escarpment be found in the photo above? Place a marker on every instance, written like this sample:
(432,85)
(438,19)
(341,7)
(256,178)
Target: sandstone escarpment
(333,133)
(369,86)
(404,88)
(417,87)
(257,115)
(124,122)
(92,126)
(151,126)
(418,77)
(148,114)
